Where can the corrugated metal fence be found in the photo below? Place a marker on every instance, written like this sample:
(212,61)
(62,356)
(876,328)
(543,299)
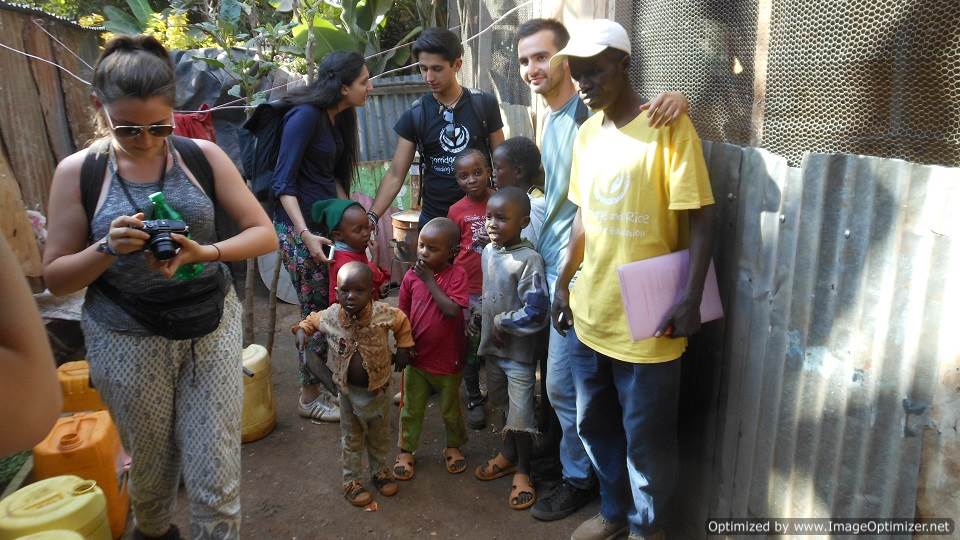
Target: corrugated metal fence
(44,117)
(834,381)
(391,96)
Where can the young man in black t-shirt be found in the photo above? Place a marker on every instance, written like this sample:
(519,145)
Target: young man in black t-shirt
(446,121)
(442,124)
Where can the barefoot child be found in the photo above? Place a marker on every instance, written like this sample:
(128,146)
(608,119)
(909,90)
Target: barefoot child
(516,163)
(357,331)
(349,227)
(514,308)
(472,170)
(433,295)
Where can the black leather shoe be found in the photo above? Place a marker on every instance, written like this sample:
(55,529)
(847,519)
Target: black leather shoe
(561,502)
(476,414)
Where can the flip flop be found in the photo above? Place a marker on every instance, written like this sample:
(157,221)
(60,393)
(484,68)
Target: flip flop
(403,466)
(491,471)
(455,464)
(517,491)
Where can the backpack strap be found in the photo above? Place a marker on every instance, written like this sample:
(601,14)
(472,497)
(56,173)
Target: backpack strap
(91,176)
(418,113)
(477,103)
(475,96)
(194,159)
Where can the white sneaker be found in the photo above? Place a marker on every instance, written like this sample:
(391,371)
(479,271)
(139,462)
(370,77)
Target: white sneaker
(322,408)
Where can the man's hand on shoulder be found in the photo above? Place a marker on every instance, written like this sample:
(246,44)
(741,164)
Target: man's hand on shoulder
(664,109)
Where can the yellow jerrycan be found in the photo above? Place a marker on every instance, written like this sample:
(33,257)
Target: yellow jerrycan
(88,445)
(259,415)
(60,503)
(78,395)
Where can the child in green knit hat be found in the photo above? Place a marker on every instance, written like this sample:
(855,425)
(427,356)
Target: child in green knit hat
(347,224)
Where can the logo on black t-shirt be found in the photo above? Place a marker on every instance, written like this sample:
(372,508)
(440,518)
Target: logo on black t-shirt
(454,140)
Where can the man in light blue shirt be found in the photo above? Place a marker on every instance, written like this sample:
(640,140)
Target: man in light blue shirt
(537,41)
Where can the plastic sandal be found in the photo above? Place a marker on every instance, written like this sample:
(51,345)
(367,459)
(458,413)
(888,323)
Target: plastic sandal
(455,464)
(403,466)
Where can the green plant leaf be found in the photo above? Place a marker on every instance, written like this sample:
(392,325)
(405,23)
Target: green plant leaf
(230,12)
(210,61)
(141,10)
(121,22)
(328,38)
(367,14)
(207,27)
(291,49)
(284,6)
(234,91)
(258,98)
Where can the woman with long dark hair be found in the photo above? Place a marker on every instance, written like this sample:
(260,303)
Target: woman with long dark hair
(164,348)
(317,160)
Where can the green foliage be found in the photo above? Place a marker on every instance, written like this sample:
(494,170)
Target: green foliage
(71,9)
(258,36)
(122,22)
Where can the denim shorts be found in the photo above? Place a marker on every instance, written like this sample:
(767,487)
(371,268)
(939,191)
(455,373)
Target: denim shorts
(521,385)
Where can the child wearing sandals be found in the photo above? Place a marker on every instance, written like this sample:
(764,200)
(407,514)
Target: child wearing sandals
(433,294)
(357,332)
(514,308)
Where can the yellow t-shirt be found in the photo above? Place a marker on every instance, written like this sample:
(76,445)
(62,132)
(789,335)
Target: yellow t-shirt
(631,185)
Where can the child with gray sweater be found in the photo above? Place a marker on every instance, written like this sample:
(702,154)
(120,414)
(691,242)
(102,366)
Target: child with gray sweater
(514,308)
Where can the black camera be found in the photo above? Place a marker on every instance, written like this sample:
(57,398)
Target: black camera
(161,244)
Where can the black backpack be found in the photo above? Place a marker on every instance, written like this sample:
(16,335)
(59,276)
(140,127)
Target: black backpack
(262,148)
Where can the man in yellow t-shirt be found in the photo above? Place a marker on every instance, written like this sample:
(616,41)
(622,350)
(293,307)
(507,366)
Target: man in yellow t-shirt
(641,192)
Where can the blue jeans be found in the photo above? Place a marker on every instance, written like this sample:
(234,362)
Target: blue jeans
(627,419)
(577,470)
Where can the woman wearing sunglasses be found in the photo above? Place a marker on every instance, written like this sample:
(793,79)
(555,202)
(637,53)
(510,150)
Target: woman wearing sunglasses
(316,161)
(165,354)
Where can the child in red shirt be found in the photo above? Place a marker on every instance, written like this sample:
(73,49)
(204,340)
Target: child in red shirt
(472,170)
(349,227)
(433,295)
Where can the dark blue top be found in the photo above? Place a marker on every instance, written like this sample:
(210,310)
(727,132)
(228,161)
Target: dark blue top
(309,150)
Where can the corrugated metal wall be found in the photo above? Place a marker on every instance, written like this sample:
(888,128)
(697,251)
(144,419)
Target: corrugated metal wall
(45,115)
(833,381)
(391,96)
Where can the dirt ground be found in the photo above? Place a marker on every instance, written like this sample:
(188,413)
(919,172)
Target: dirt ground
(291,479)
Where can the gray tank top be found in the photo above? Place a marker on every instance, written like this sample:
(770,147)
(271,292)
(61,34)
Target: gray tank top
(130,273)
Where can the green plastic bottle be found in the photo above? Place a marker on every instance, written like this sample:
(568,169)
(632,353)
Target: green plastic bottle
(163,210)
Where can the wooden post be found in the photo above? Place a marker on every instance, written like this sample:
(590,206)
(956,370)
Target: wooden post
(272,325)
(249,288)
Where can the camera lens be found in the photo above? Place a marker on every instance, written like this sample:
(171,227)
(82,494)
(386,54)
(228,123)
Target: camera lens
(163,247)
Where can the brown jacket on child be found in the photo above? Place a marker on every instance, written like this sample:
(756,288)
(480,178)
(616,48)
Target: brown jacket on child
(367,334)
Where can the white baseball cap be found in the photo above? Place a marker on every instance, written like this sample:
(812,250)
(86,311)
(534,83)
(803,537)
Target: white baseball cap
(592,39)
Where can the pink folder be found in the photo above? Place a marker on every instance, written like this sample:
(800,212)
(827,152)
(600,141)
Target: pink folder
(652,286)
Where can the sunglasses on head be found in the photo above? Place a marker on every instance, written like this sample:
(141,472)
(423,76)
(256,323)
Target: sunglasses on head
(128,132)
